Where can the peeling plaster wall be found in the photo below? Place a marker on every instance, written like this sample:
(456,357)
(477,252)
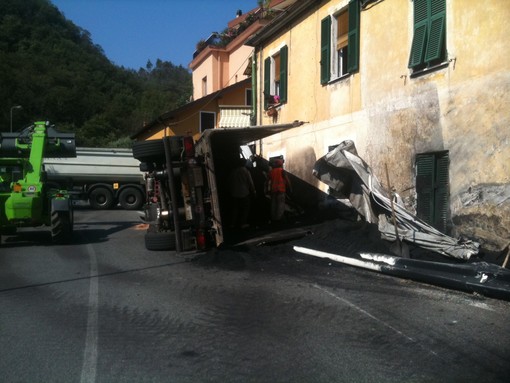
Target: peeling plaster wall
(463,107)
(477,117)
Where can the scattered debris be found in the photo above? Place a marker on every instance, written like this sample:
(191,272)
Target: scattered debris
(345,172)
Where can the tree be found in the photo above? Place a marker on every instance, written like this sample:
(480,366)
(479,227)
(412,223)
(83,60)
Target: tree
(53,69)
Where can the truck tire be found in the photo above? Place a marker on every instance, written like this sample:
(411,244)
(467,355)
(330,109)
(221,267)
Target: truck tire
(101,198)
(157,240)
(61,227)
(154,150)
(131,198)
(147,151)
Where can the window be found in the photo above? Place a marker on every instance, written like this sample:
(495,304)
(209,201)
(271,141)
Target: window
(248,97)
(432,183)
(275,77)
(276,74)
(340,34)
(429,38)
(204,86)
(207,121)
(342,31)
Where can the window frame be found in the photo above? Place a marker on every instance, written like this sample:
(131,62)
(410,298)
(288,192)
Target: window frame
(204,112)
(248,97)
(276,85)
(329,62)
(339,68)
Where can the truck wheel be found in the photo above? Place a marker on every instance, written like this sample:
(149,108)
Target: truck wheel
(101,199)
(157,240)
(131,198)
(145,151)
(61,227)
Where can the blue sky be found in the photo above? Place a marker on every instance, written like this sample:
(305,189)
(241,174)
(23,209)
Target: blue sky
(134,31)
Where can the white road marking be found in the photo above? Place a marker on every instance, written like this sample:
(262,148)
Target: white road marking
(89,368)
(366,313)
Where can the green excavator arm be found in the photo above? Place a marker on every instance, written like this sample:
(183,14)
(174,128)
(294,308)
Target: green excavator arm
(28,198)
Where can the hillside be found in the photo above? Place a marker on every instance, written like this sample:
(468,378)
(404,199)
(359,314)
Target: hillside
(53,69)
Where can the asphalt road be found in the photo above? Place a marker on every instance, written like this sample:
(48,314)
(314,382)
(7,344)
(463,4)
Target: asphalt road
(104,309)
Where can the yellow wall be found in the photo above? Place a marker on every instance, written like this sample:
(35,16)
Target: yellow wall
(463,108)
(183,124)
(234,97)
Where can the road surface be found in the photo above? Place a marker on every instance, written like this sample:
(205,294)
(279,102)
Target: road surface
(104,309)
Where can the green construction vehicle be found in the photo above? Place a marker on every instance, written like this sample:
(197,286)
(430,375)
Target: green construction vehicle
(26,199)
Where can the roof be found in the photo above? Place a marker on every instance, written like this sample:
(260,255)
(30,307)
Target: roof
(161,119)
(281,21)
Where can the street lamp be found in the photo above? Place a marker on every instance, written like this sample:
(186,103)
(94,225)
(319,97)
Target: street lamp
(15,107)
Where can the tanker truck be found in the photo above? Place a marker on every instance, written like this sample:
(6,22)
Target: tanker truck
(105,177)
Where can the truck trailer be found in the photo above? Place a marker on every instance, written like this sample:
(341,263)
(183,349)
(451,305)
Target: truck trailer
(104,177)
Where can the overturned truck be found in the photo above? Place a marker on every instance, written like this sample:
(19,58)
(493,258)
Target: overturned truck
(187,199)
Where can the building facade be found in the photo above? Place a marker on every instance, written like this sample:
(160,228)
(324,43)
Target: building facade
(222,80)
(422,87)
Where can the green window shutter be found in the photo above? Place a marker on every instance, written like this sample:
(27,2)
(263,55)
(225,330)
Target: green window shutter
(284,59)
(325,50)
(267,80)
(421,21)
(441,192)
(437,30)
(353,37)
(425,187)
(432,188)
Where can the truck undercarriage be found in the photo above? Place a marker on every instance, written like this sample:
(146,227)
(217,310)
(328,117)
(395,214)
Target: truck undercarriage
(188,205)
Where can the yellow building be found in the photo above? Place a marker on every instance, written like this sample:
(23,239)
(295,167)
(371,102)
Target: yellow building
(207,112)
(420,86)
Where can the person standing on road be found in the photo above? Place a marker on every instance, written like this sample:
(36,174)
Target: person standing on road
(241,189)
(278,185)
(261,205)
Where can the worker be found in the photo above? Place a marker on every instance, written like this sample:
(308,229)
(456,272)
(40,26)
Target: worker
(261,204)
(242,190)
(278,185)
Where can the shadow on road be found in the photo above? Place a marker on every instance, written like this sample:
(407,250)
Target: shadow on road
(83,233)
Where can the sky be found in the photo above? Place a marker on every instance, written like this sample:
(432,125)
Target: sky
(131,32)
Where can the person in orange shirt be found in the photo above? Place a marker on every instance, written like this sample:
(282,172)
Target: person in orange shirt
(277,186)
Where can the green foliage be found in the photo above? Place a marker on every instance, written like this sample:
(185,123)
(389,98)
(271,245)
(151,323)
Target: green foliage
(52,68)
(123,142)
